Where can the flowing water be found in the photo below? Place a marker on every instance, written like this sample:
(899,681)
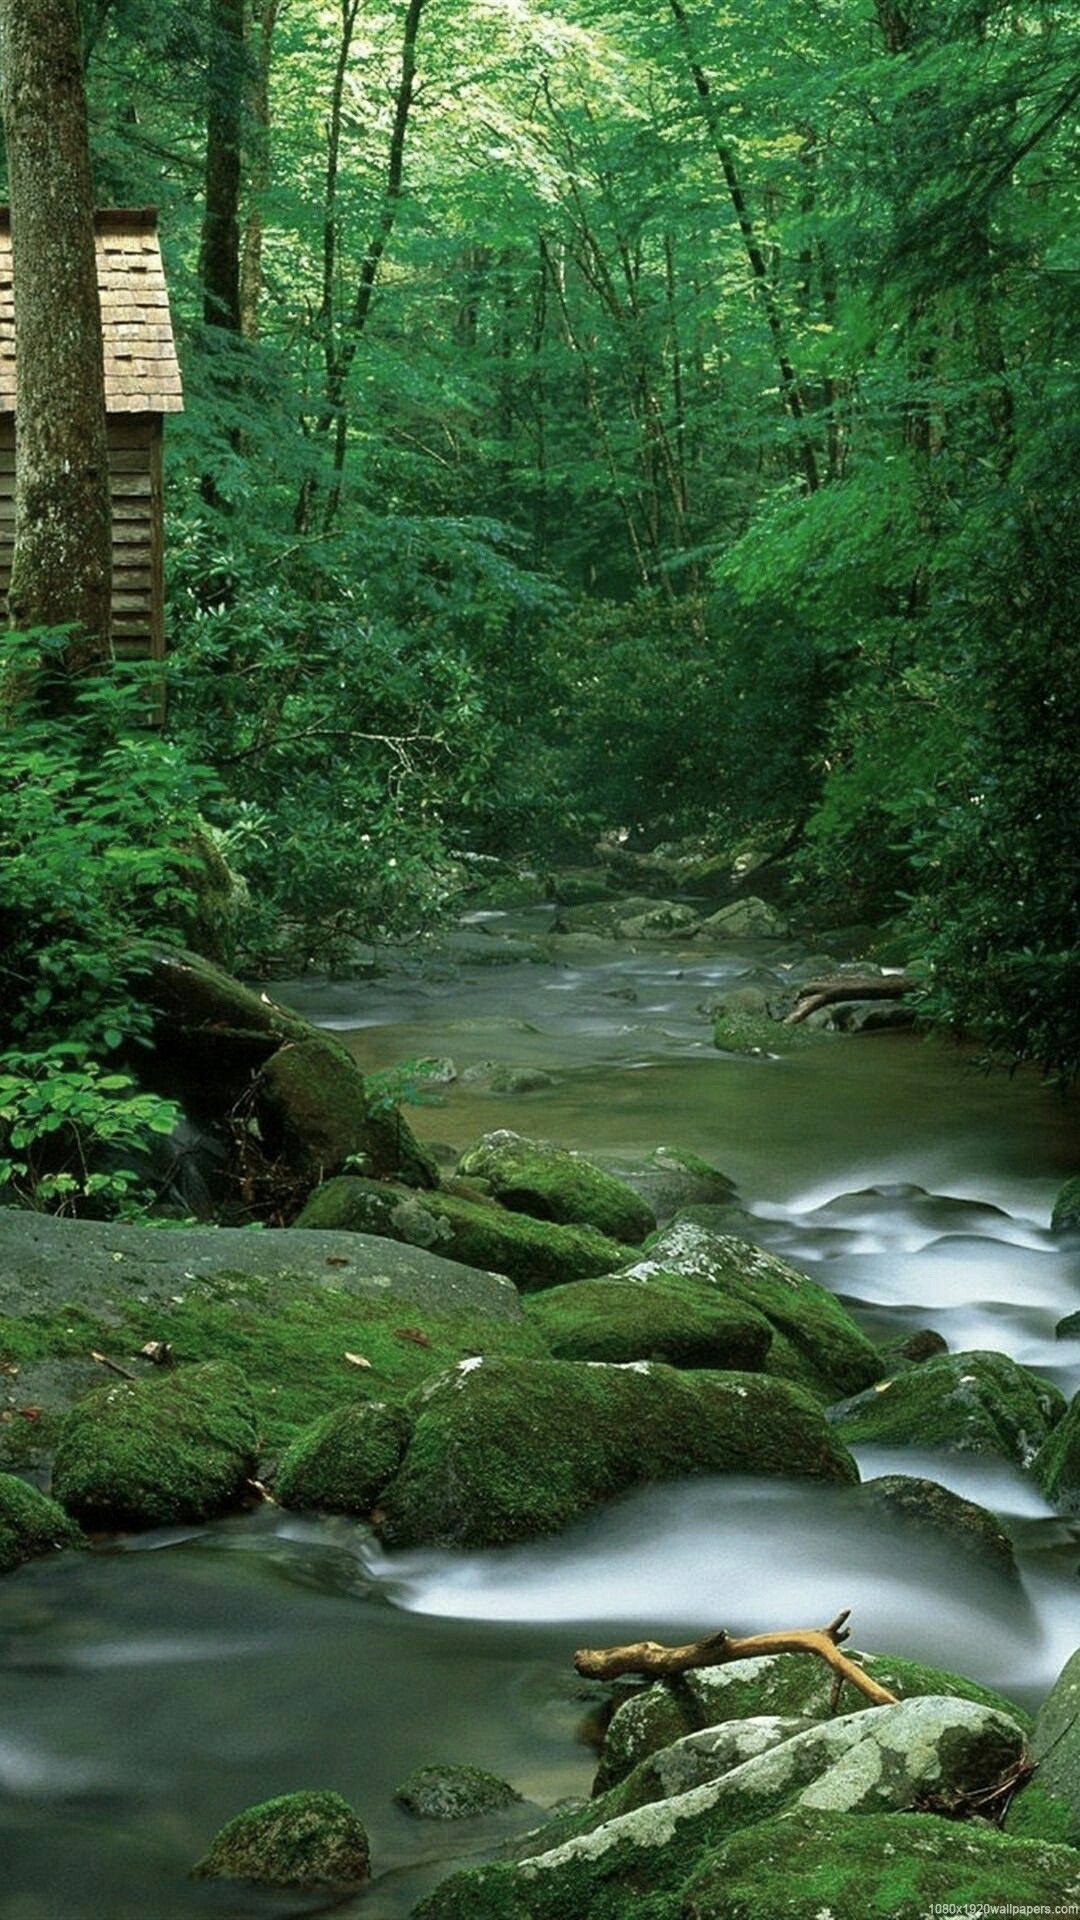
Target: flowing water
(154,1687)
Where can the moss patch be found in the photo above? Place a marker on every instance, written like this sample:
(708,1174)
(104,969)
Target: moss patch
(552,1183)
(297,1840)
(454,1793)
(159,1452)
(975,1402)
(756,1033)
(343,1462)
(30,1524)
(1056,1466)
(681,1320)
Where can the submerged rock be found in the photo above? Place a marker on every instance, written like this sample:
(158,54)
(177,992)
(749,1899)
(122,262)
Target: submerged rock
(552,1183)
(683,1321)
(454,1793)
(296,1840)
(1048,1806)
(973,1402)
(815,1341)
(534,1253)
(508,1449)
(961,1524)
(342,1462)
(30,1524)
(157,1453)
(802,1866)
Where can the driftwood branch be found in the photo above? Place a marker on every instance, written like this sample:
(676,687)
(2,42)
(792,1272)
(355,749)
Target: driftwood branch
(717,1649)
(826,993)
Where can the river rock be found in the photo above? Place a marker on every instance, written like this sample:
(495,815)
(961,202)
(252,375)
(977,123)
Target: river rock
(505,1079)
(30,1524)
(297,1840)
(683,1321)
(507,1449)
(785,1685)
(969,1402)
(665,922)
(583,886)
(746,919)
(803,1866)
(1069,1328)
(961,1524)
(869,1016)
(341,1463)
(1056,1466)
(313,1112)
(931,1751)
(670,1178)
(815,1341)
(158,1453)
(534,1253)
(454,1793)
(1048,1806)
(1066,1215)
(552,1183)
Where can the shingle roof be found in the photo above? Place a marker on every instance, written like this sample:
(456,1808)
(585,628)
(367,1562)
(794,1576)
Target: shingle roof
(141,370)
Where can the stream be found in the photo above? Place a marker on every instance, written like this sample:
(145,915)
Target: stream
(157,1685)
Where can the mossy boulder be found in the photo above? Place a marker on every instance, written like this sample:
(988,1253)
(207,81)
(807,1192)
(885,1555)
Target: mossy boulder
(216,897)
(967,1402)
(788,1685)
(157,1453)
(1056,1466)
(1048,1807)
(667,921)
(683,1321)
(816,1342)
(454,1793)
(507,1450)
(30,1524)
(296,1840)
(1066,1215)
(342,1463)
(634,1865)
(935,1511)
(534,1253)
(552,1183)
(747,919)
(211,1033)
(670,1178)
(804,1865)
(313,1112)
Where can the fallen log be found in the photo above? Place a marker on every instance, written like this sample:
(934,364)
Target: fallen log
(827,993)
(717,1649)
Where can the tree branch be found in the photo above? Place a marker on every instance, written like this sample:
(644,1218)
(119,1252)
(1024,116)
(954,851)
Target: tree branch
(718,1649)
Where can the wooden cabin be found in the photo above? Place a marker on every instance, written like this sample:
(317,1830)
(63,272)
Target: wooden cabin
(142,385)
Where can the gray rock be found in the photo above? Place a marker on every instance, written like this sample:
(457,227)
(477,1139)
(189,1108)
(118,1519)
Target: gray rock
(961,1524)
(670,1178)
(666,921)
(454,1793)
(748,919)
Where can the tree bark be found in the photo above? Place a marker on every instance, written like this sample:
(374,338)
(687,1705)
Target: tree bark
(220,262)
(62,564)
(264,20)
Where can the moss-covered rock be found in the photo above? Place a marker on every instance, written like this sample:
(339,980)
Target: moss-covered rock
(1048,1807)
(1066,1215)
(158,1452)
(742,1031)
(969,1402)
(961,1524)
(534,1253)
(670,1178)
(297,1840)
(897,1866)
(509,1450)
(668,920)
(342,1463)
(788,1685)
(313,1112)
(683,1321)
(30,1524)
(816,1342)
(551,1183)
(454,1793)
(1056,1466)
(747,919)
(216,897)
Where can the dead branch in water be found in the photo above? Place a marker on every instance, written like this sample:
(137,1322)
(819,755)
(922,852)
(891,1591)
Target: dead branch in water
(717,1649)
(827,993)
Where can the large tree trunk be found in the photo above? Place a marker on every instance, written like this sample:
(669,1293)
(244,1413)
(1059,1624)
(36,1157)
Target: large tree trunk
(62,564)
(262,23)
(224,131)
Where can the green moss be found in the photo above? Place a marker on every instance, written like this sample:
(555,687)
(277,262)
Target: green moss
(343,1462)
(757,1033)
(1066,1214)
(297,1840)
(1036,1814)
(313,1111)
(874,1867)
(681,1320)
(30,1524)
(534,1253)
(551,1183)
(975,1402)
(454,1793)
(158,1452)
(509,1450)
(1056,1466)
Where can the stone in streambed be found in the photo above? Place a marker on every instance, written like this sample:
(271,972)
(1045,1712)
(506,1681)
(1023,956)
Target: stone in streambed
(534,1253)
(296,1840)
(970,1402)
(679,1320)
(552,1183)
(1048,1806)
(934,1510)
(508,1449)
(1066,1215)
(1056,1466)
(158,1453)
(454,1793)
(30,1524)
(669,1178)
(342,1462)
(746,919)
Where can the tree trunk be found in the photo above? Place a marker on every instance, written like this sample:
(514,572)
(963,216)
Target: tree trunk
(62,564)
(220,262)
(264,20)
